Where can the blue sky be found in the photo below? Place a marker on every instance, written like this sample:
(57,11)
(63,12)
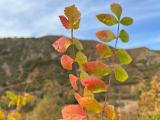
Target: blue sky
(26,18)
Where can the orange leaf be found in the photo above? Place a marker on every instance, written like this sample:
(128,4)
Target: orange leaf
(105,35)
(62,44)
(104,50)
(64,21)
(73,80)
(97,68)
(110,112)
(67,62)
(90,104)
(94,84)
(73,112)
(77,96)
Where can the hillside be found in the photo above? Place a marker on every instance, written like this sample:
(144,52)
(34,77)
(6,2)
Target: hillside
(27,63)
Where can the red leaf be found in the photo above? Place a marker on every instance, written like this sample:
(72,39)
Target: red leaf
(97,68)
(64,22)
(67,62)
(62,44)
(73,112)
(94,84)
(73,80)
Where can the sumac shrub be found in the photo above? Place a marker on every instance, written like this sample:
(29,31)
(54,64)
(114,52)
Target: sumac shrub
(88,78)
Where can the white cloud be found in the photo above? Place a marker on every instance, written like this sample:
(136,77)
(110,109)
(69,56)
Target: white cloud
(40,17)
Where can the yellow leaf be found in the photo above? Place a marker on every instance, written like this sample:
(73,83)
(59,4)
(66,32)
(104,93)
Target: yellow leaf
(81,58)
(116,9)
(120,74)
(107,19)
(123,56)
(73,16)
(2,115)
(88,93)
(90,104)
(14,116)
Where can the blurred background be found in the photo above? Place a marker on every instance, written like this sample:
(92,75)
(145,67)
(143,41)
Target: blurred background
(29,63)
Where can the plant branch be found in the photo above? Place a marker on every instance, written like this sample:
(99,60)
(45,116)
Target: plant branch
(112,72)
(76,69)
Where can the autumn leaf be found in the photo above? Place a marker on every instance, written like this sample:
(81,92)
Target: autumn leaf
(78,44)
(77,96)
(127,21)
(104,50)
(116,9)
(2,115)
(97,68)
(76,25)
(120,74)
(62,44)
(83,74)
(81,58)
(95,85)
(110,112)
(124,36)
(73,112)
(105,35)
(88,93)
(14,116)
(90,104)
(66,62)
(73,16)
(64,22)
(123,56)
(107,19)
(73,80)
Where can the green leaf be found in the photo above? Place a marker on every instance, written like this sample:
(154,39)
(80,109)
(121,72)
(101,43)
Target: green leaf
(105,35)
(107,19)
(83,75)
(124,36)
(123,56)
(120,74)
(104,50)
(10,95)
(116,9)
(78,44)
(127,21)
(81,58)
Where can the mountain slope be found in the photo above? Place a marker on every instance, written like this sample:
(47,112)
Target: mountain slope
(33,60)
